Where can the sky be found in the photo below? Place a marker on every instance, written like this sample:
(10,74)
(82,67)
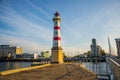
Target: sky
(28,24)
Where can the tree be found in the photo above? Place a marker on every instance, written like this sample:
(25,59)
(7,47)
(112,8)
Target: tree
(88,53)
(102,53)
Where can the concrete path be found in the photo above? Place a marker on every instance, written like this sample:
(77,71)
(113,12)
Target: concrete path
(52,72)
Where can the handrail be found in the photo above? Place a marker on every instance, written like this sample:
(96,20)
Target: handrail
(114,61)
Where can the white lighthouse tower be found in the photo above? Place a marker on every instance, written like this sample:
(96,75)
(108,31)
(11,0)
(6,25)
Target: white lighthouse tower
(57,54)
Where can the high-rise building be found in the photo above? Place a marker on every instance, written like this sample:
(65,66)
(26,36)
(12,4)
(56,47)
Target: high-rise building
(95,49)
(99,49)
(118,46)
(57,53)
(7,51)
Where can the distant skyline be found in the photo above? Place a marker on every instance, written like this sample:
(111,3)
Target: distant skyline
(28,24)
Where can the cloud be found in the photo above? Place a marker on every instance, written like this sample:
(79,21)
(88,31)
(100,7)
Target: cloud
(28,46)
(99,23)
(39,9)
(25,26)
(77,28)
(27,34)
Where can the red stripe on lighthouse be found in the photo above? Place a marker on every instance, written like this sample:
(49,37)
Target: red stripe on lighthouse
(57,38)
(57,27)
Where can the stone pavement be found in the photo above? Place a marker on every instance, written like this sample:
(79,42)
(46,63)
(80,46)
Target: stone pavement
(53,72)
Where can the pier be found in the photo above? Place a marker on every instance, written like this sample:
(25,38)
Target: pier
(69,71)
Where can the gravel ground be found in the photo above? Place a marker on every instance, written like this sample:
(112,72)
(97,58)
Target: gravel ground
(53,72)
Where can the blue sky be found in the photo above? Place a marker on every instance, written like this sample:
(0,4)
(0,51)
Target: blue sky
(28,23)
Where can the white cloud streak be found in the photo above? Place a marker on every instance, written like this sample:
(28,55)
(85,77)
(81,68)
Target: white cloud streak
(25,26)
(77,32)
(28,46)
(39,9)
(26,31)
(98,24)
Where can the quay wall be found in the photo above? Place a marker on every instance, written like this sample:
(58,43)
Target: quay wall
(22,69)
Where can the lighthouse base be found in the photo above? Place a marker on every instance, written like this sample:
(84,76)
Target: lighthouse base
(57,56)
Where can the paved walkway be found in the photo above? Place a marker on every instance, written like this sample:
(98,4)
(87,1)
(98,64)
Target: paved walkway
(53,72)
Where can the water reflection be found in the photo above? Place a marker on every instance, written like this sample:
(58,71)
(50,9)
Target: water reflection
(13,65)
(96,67)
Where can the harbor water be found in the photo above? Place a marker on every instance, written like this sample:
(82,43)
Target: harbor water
(13,65)
(96,67)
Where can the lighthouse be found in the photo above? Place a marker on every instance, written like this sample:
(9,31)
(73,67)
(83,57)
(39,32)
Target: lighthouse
(57,53)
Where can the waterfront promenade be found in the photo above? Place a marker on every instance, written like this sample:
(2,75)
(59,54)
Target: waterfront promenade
(53,72)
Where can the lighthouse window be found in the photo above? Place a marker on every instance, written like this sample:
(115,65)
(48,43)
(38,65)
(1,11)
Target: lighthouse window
(55,32)
(55,23)
(55,44)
